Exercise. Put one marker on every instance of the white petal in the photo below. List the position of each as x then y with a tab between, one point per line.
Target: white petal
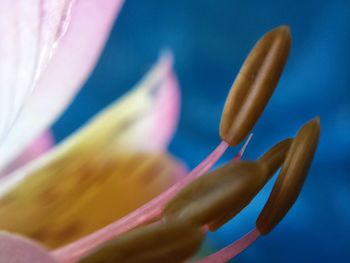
29	30
71	63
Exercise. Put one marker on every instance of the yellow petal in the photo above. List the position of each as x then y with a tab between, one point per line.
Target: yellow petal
102	172
67	200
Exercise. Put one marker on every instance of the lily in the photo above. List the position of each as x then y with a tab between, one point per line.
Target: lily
89	197
56	45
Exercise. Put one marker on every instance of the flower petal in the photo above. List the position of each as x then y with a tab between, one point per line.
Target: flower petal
129	124
149	113
95	176
37	148
68	68
16	249
30	32
69	198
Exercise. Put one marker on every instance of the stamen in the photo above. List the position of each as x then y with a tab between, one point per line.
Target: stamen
271	161
246	101
299	153
275	156
254	85
231	251
219	222
219	195
291	178
147	212
228	188
173	241
239	155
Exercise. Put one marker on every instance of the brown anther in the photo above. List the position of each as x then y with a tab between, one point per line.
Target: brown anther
172	241
291	178
275	156
254	85
229	188
271	160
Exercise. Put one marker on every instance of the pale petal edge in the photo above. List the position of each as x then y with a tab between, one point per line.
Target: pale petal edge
36	149
72	62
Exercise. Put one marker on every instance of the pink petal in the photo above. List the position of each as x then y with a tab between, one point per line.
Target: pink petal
70	65
154	104
143	120
36	149
16	249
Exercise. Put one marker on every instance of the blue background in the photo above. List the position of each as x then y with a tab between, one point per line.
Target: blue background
210	40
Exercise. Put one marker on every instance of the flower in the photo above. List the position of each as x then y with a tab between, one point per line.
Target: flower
59	43
88	197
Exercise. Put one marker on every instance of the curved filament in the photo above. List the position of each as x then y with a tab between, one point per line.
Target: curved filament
231	251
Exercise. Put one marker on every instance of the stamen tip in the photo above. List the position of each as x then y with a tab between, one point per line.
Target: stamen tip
254	85
291	178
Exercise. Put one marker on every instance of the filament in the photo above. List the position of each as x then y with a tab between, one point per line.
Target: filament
239	155
232	250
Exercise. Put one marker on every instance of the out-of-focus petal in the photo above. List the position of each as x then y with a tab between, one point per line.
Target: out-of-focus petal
36	149
117	129
16	249
104	171
30	31
71	63
148	115
145	119
69	198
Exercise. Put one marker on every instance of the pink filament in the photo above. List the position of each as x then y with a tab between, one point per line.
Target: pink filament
243	149
152	209
231	251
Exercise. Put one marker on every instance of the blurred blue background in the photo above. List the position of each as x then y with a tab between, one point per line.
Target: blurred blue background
210	40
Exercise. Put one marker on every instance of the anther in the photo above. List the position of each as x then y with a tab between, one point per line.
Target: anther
173	241
254	85
291	178
275	156
229	188
271	161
